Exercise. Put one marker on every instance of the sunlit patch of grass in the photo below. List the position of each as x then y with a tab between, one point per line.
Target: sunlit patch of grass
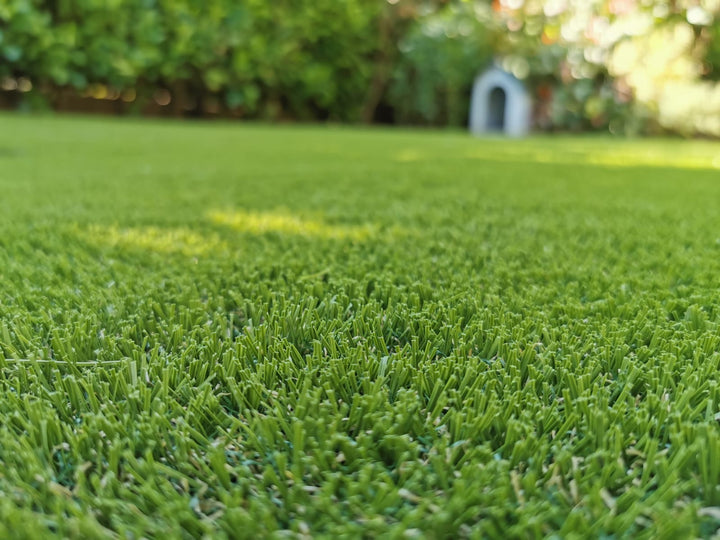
285	222
583	152
158	239
409	155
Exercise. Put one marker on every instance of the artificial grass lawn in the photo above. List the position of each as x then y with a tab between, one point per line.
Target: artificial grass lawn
241	331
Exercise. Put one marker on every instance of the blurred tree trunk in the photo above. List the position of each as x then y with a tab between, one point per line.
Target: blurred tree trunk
391	25
382	68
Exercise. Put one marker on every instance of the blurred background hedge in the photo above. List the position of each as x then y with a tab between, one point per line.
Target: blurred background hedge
628	66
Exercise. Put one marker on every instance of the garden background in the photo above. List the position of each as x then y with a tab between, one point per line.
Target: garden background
627	66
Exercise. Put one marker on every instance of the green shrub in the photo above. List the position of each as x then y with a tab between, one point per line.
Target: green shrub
439	59
304	59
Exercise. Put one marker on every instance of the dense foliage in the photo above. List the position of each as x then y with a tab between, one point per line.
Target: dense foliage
237	331
304	58
629	66
440	55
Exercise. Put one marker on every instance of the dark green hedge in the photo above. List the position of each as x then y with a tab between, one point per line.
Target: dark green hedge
302	59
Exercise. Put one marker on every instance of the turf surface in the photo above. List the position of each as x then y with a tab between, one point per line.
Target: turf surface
246	331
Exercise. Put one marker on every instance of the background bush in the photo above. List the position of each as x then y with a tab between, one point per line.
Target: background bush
301	58
625	65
